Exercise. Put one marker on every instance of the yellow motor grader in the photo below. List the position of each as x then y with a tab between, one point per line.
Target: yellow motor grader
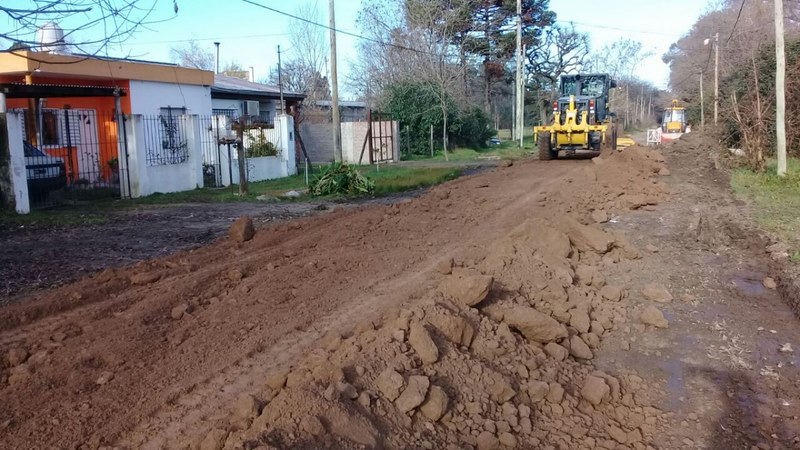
581	117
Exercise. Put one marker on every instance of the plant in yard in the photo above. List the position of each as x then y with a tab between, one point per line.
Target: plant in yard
258	146
340	178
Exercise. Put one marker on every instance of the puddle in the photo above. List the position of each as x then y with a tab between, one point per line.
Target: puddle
748	286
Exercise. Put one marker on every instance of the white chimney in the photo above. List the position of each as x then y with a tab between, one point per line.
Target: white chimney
51	38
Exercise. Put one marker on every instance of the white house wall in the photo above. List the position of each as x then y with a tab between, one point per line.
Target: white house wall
148	97
238	106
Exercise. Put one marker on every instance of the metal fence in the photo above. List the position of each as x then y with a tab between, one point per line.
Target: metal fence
165	139
72	155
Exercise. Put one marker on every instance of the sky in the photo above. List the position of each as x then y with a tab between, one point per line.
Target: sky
250	35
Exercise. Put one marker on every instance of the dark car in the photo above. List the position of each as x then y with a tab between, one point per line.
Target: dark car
45	173
494	141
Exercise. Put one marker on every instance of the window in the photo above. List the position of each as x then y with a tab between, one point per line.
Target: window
166	137
232	113
51	125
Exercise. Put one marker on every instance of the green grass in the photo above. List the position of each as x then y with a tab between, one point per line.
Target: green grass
388	179
506	150
776	200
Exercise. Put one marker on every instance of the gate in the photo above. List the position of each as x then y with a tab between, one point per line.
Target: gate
72	156
381	139
212	129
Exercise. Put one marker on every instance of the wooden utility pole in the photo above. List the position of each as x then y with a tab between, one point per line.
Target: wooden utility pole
780	88
702	104
716	78
244	189
337	125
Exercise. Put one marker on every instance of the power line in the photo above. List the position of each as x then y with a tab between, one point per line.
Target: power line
335	30
249	36
737	21
627	30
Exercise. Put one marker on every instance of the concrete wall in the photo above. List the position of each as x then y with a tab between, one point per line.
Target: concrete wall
318	139
148	97
265	167
149	179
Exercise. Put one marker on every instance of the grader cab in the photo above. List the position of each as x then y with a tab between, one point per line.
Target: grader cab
581	117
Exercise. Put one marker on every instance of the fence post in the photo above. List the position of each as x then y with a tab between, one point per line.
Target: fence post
243	188
395	140
195	146
13	176
287	143
137	156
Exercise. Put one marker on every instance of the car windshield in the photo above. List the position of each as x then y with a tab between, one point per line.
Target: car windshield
30	150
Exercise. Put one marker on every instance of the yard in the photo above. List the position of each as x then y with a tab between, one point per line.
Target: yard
506	150
53	246
775	200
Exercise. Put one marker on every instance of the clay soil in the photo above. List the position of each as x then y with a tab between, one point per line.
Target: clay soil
612	303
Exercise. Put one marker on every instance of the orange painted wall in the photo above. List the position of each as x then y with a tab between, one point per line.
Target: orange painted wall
104	106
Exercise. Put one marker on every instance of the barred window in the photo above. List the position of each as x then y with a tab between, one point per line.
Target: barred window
165	136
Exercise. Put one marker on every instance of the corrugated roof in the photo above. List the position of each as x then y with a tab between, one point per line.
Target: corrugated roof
343	104
231	85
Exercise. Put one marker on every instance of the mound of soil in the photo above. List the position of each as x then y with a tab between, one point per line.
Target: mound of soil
466	318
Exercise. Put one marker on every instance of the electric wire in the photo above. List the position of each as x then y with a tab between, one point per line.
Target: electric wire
738	16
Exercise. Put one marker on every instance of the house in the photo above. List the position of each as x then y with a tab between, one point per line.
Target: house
234	97
70	105
88	126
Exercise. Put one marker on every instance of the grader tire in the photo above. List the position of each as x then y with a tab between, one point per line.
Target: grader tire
546	152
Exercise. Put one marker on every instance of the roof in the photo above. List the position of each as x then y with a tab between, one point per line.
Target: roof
50	65
343	104
237	88
18	90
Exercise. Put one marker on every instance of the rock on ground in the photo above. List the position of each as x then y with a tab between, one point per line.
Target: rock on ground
770	283
242	229
414	393
435	405
653	316
389	383
421	342
595	390
579	349
534	325
467	287
657	293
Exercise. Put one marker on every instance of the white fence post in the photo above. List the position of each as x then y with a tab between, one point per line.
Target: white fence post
137	156
19	176
194	144
287	143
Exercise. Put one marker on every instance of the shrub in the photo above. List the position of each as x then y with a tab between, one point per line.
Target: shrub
339	178
258	146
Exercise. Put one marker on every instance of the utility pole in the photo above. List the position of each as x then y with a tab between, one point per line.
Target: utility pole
280	80
519	96
702	104
216	44
521	126
780	88
337	127
716	78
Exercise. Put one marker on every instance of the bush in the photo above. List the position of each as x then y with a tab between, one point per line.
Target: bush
259	146
343	179
473	128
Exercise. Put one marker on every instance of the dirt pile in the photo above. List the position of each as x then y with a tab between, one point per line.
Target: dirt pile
499	356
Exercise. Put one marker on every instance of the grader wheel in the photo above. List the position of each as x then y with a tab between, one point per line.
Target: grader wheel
546	152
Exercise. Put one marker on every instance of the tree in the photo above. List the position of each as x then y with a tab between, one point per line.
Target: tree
191	54
492	36
304	70
92	25
235	69
562	51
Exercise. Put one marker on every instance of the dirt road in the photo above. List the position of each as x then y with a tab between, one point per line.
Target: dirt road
485	313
